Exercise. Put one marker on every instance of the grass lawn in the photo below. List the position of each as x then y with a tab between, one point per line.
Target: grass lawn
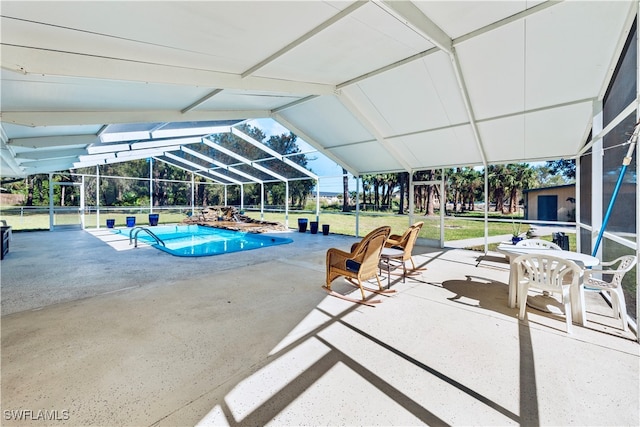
40	221
455	228
340	223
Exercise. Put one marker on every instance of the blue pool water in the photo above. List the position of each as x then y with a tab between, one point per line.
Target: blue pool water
196	240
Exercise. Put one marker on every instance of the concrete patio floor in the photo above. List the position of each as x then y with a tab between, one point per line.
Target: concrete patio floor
96	333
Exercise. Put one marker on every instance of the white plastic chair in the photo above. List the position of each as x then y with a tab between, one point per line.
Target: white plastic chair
547	273
613	286
538	243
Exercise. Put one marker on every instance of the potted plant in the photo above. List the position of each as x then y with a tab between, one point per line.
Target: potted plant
516	237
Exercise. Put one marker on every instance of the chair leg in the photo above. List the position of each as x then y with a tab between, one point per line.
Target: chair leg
617	295
329	279
379	283
416	268
581	305
362	289
566	299
522	291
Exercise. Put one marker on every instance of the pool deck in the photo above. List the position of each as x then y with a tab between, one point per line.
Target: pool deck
97	333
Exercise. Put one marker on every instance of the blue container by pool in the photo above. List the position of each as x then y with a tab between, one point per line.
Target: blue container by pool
111	223
153	219
302	224
131	221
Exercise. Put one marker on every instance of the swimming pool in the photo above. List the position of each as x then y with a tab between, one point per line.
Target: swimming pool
196	240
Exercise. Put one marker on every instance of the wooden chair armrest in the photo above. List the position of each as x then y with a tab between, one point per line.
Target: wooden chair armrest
393	242
335	255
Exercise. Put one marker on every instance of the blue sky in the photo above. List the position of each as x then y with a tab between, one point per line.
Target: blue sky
329	172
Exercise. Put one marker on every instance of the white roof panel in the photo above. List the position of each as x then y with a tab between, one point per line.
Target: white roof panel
327	119
436	146
413	97
377	86
368	157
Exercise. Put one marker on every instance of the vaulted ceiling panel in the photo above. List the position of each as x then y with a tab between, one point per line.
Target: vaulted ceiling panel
368	157
241	100
327	121
17	131
439	146
375	85
45	93
568	68
420	95
493	66
557	133
458	18
366	39
503	139
181	33
541	135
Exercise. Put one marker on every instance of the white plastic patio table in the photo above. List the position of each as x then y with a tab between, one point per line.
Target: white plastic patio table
512	252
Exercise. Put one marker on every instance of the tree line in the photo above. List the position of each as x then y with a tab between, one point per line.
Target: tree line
463	187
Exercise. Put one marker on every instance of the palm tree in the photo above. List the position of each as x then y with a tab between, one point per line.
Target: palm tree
455	186
345	191
496	178
473	182
524	178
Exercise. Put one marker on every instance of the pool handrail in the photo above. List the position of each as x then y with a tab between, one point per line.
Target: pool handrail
134	236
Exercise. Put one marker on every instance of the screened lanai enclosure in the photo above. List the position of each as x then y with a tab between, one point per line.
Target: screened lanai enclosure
376	86
211	155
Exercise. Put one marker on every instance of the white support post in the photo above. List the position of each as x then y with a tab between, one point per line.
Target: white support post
358	205
597	154
226	200
82	218
443	204
97	196
638	217
637	186
317	199
193	194
51	213
241	197
486	208
578	218
262	201
286	203
150	184
411	198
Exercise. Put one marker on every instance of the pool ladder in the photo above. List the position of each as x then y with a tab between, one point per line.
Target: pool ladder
133	236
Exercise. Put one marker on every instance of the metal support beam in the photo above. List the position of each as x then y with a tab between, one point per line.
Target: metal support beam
272	152
369	125
311	141
326	24
242	159
410	15
198	167
221	165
